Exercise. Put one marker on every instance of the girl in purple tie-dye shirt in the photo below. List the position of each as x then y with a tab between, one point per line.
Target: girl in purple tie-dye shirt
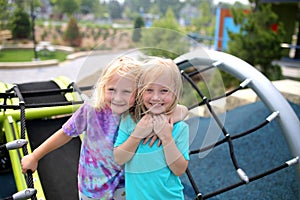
97	119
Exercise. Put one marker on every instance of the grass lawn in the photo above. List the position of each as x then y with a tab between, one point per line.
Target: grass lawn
23	55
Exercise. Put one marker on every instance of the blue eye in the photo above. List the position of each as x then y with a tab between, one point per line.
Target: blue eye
164	90
127	91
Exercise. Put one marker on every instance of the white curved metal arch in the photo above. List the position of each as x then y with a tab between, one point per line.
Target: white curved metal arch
262	86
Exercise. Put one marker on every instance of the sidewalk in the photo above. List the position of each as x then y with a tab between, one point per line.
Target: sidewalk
290	67
290	89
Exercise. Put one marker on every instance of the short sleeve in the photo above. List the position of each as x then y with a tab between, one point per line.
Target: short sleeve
77	123
182	139
126	127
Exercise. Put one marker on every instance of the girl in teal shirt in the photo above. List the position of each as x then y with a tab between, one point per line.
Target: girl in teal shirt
153	172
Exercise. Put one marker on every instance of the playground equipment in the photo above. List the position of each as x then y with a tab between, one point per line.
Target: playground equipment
33	111
199	61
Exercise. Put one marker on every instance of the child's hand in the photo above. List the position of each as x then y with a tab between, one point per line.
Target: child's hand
153	138
163	127
29	163
144	127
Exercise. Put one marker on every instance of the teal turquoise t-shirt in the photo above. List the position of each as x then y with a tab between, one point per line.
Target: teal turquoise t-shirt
147	175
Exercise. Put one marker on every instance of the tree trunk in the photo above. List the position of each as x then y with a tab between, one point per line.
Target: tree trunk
297	54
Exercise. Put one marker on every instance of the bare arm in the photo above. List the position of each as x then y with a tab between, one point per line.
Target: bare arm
163	128
180	113
57	140
175	160
126	150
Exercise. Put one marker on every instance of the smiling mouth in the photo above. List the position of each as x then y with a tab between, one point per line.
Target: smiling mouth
156	104
118	105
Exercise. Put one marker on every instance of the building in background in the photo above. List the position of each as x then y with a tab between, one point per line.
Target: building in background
224	22
288	12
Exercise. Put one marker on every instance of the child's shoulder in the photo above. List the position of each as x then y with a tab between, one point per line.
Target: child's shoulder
88	107
127	124
181	124
127	118
180	130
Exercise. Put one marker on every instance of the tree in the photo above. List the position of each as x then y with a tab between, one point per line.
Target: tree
259	38
205	22
20	24
87	6
115	9
138	6
72	34
100	9
4	14
138	24
297	53
154	10
165	38
145	6
68	6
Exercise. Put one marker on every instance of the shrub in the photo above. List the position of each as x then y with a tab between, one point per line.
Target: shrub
72	34
20	25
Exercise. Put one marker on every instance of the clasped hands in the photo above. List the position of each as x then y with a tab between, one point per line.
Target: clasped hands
153	127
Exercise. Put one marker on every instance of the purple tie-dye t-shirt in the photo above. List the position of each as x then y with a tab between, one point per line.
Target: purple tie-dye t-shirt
98	174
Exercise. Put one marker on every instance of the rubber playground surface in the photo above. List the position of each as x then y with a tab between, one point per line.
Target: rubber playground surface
255	153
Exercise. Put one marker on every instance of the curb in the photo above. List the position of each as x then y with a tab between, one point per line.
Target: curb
17	65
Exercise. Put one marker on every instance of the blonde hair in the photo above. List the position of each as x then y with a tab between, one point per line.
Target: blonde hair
151	70
123	66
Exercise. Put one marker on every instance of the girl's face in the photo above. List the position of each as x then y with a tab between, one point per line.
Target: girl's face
158	97
120	93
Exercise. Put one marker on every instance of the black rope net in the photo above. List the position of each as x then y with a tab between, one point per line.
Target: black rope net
225	143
